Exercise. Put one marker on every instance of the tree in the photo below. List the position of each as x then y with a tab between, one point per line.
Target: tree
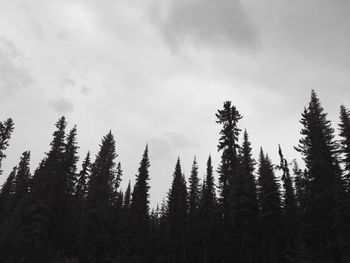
46	202
230	183
289	211
22	179
247	205
71	160
99	199
228	117
6	129
270	211
209	217
81	188
343	211
6	195
193	216
139	210
177	216
345	143
319	151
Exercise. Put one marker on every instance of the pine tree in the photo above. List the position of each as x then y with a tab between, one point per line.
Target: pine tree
228	117
7	194
248	205
289	210
99	199
79	219
22	179
345	143
81	188
139	210
193	190
193	216
209	218
319	149
6	129
343	211
230	180
46	202
71	160
127	197
177	216
270	220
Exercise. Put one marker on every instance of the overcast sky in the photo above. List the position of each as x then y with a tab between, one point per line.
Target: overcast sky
156	72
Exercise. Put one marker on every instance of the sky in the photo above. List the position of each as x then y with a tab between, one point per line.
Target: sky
156	72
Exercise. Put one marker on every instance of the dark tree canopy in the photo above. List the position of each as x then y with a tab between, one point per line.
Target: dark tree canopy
264	213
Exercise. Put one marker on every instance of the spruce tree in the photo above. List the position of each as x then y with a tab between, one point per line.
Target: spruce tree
6	195
6	129
46	202
319	151
289	210
193	216
230	180
345	143
81	188
247	205
70	161
139	211
22	179
228	117
270	217
177	217
99	200
209	218
343	212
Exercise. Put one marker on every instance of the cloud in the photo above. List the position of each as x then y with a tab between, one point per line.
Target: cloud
62	105
206	22
14	73
85	89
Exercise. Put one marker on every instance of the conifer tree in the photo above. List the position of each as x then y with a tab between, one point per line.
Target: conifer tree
116	183
99	200
45	209
270	220
289	210
193	216
139	210
193	196
208	217
247	205
81	188
228	117
319	149
6	195
71	160
22	179
177	216
345	143
343	212
6	129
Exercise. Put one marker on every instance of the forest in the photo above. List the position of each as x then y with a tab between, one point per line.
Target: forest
241	212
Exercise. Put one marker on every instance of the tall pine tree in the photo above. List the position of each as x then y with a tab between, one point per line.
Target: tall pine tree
177	217
319	149
270	218
139	211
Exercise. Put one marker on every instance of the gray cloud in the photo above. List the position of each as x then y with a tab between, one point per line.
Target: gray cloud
221	22
61	105
85	89
14	74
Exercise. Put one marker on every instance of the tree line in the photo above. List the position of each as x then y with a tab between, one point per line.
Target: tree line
64	213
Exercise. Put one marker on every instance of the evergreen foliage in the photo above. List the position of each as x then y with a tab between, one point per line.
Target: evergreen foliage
62	215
